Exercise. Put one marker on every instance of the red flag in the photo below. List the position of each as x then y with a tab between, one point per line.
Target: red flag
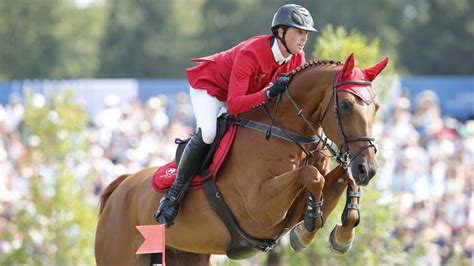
154	240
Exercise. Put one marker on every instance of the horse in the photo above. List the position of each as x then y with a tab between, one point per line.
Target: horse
269	181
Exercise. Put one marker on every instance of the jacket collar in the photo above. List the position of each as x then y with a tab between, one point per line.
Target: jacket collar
277	53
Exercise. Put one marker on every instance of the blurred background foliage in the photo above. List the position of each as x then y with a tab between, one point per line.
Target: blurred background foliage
373	238
59	228
156	38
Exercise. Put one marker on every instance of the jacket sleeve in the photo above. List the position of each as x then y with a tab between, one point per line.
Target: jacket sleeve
238	101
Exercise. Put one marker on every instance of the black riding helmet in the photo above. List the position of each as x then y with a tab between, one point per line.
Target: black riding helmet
292	15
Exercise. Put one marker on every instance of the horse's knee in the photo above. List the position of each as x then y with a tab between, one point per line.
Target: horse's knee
311	177
309	171
322	163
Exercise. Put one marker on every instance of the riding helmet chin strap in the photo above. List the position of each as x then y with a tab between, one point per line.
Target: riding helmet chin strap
282	39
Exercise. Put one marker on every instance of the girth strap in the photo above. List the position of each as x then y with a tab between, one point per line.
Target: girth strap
242	245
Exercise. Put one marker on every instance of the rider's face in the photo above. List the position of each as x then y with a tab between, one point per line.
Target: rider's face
295	40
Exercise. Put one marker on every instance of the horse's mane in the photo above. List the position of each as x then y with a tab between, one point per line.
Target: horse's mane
311	64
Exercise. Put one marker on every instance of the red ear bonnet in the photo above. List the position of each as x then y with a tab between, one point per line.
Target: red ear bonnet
350	73
374	71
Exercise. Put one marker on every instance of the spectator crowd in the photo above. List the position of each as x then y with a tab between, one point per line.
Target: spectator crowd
426	162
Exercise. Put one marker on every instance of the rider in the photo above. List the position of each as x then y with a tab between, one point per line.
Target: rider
239	79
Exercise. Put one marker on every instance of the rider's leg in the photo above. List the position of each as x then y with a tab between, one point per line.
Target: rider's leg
190	162
206	108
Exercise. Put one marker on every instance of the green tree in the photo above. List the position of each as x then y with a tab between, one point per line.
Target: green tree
49	39
79	32
149	38
437	37
337	44
156	38
28	43
55	223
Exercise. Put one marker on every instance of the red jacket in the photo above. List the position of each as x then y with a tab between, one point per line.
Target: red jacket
238	75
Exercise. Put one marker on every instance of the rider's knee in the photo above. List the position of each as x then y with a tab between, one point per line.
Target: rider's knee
208	135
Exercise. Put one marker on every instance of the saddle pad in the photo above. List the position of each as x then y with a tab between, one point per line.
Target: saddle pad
166	174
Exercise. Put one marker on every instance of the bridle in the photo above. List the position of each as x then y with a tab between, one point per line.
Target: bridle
343	157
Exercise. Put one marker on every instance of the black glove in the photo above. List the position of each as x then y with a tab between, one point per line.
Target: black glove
280	85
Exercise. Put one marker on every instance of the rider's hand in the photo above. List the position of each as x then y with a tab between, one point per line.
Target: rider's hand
280	85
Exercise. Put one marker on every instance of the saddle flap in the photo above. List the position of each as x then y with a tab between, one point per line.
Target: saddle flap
223	125
166	174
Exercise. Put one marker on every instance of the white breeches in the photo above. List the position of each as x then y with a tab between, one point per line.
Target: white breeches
206	110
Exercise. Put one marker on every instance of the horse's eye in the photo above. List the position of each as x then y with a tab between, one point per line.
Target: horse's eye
345	106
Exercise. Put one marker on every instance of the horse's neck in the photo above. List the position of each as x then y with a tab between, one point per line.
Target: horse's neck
310	90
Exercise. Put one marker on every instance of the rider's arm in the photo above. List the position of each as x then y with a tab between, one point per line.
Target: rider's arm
238	99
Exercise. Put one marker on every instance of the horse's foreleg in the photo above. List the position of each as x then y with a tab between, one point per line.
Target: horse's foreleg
270	202
342	236
300	236
334	186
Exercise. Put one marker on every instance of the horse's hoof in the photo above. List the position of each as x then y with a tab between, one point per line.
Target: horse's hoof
295	243
335	247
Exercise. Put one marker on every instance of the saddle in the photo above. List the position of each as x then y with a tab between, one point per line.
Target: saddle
166	174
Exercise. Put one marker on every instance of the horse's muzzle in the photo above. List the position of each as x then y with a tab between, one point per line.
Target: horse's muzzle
363	170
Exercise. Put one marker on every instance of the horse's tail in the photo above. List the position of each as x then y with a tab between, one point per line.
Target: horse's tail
104	197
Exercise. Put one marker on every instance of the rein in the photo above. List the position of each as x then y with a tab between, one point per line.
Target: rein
280	132
343	157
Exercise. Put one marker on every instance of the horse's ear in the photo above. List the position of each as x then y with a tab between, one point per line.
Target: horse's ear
348	68
374	71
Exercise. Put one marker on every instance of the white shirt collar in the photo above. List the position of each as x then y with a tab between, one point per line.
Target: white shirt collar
277	53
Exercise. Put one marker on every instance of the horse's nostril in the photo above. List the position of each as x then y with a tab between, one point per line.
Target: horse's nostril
362	170
372	172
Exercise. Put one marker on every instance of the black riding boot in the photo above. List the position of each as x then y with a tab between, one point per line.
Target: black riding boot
191	160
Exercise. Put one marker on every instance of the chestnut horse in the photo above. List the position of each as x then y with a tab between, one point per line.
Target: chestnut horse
265	182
